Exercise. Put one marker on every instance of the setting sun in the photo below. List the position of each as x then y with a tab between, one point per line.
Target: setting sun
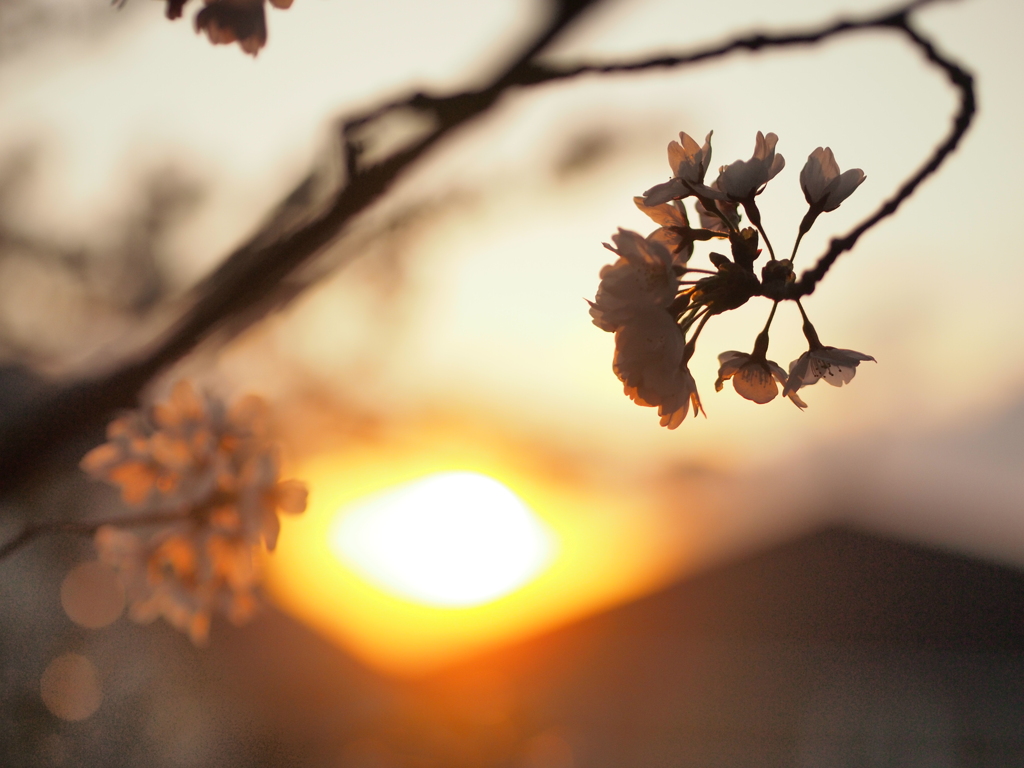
452	539
441	541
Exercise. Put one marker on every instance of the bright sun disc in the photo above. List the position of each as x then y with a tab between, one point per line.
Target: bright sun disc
454	539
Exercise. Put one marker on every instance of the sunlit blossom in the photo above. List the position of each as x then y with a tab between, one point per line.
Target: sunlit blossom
729	209
213	472
753	377
836	366
689	163
675	231
823	185
650	360
743	179
657	303
182	574
230	21
641	279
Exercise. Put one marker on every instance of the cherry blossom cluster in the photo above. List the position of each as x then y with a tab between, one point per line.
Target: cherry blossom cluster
656	304
230	21
210	474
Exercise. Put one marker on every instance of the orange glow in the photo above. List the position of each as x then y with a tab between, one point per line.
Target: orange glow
603	549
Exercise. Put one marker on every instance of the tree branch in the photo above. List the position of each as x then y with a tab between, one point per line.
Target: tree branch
250	276
964	82
32	432
898	19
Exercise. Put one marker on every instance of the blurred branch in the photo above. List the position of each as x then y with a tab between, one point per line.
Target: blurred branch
127	275
121	280
253	274
85	527
25	24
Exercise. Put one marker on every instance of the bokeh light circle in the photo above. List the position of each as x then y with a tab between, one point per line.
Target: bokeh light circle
92	595
70	687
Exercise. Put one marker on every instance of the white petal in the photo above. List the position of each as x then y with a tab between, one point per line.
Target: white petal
812	177
837	375
857	355
829	166
777	372
732	354
756	384
705	155
800	374
845	185
739	180
731	362
662	193
796	400
676	155
841	356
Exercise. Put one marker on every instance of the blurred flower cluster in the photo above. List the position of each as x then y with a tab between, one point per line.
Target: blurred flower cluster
208	476
656	304
231	21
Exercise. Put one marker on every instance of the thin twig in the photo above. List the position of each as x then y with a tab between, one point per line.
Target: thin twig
546	73
249	277
899	20
964	82
86	527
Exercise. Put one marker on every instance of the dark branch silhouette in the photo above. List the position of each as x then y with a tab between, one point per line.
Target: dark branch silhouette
897	20
252	276
963	81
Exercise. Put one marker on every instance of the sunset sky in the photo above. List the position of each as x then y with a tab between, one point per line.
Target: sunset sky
473	321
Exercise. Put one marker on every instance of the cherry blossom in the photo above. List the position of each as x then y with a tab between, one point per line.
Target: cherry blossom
743	179
836	366
753	377
214	472
657	302
823	185
650	360
641	279
689	163
231	21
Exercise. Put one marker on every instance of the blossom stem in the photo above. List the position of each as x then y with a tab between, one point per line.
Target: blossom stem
803	314
688	322
771	251
691	345
805	226
755	218
712	207
799	237
809	333
85	527
771	316
761	342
